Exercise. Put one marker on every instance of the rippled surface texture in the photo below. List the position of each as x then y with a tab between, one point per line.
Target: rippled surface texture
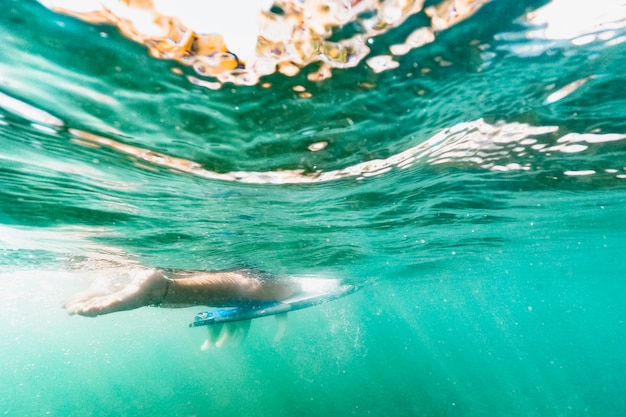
476	181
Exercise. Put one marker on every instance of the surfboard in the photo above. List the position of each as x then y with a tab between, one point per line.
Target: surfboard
315	291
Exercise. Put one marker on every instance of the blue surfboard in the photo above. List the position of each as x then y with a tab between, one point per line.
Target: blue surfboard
310	298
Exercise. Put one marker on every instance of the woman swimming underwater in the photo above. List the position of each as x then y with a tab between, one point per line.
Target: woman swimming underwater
181	288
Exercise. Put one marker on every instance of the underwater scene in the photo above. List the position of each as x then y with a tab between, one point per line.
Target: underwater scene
459	165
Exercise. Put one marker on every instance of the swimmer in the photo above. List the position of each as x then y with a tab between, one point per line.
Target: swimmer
177	288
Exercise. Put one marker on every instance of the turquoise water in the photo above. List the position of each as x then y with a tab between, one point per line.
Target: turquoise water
493	232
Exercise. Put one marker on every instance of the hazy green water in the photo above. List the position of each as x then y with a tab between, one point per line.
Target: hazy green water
495	292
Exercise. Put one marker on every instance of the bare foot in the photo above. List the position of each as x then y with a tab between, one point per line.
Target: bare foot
149	287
